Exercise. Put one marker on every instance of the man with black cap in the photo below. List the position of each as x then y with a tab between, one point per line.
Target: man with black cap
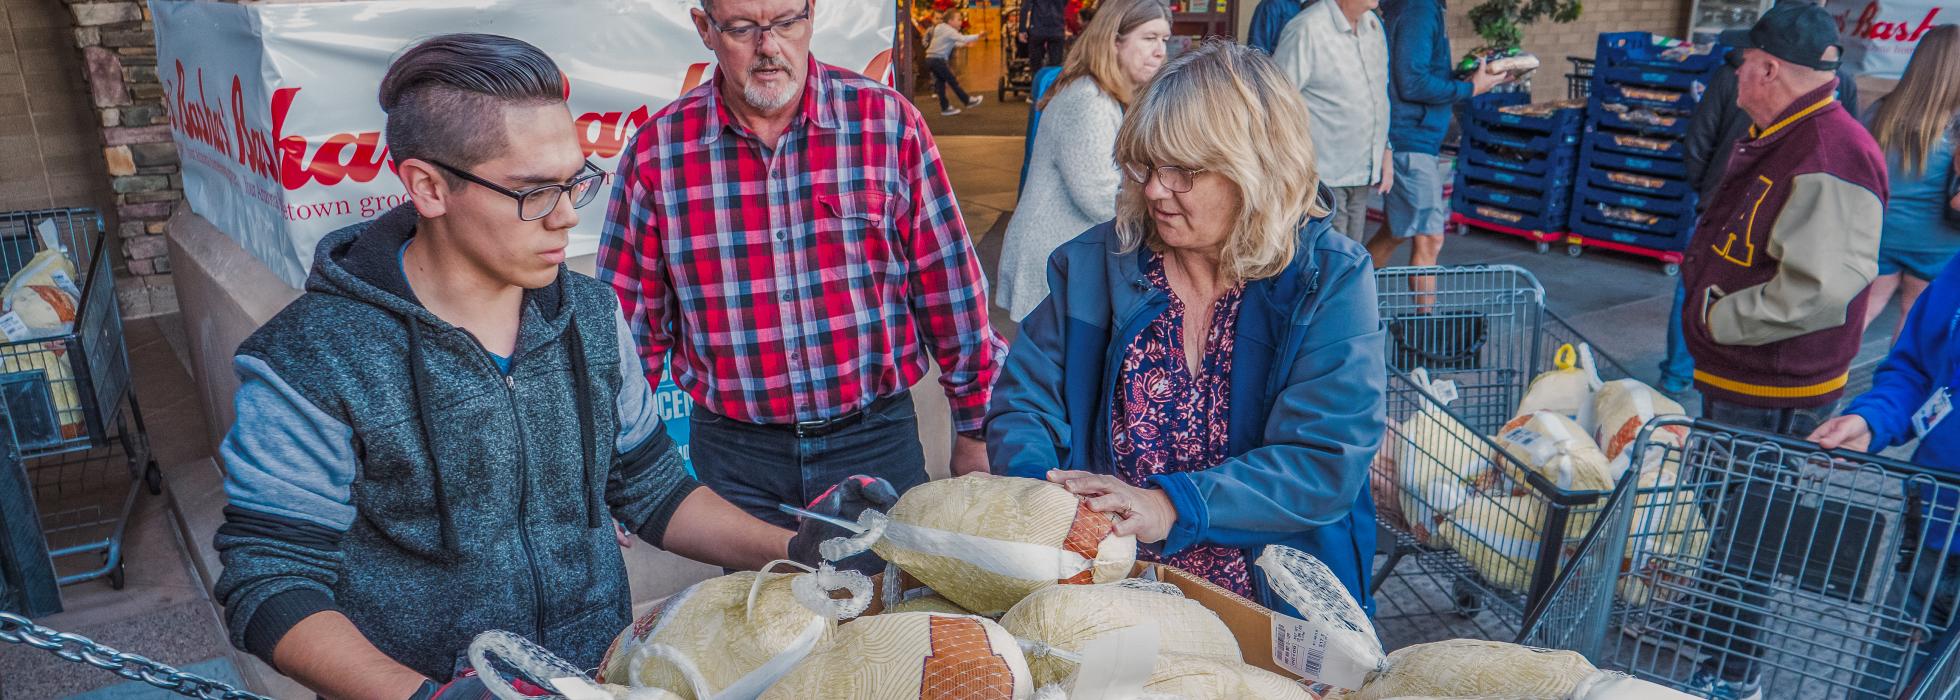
1777	271
1718	123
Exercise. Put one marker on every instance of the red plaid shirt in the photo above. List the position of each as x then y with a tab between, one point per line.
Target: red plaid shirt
806	281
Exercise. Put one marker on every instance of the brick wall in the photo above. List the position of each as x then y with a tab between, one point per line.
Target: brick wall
118	49
1553	42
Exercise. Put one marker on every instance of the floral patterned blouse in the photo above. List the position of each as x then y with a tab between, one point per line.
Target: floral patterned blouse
1167	420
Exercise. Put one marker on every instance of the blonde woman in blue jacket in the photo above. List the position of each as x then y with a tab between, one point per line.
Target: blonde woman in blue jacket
1209	371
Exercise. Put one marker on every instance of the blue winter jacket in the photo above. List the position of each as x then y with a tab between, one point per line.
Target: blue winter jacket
1926	358
1421	93
1269	19
1306	396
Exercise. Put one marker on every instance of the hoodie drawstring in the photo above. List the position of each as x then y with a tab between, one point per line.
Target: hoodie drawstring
418	378
581	397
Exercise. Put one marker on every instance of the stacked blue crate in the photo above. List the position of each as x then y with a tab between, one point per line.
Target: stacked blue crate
1516	171
1633	189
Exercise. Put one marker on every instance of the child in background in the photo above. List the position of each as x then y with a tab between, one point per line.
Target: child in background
945	38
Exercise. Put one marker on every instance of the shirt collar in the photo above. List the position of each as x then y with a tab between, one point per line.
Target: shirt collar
1805	106
1341	23
819	105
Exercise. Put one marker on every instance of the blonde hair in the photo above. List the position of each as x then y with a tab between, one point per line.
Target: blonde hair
1911	119
1226	109
1094	54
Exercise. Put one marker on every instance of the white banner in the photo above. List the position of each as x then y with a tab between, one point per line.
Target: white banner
274	109
1879	37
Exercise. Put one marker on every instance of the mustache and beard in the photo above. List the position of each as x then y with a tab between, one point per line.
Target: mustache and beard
763	97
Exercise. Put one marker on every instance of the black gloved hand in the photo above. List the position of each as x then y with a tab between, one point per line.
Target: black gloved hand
844	501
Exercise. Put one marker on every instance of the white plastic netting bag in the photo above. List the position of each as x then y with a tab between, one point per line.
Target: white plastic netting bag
1055	623
1622	407
732	636
496	647
912	655
1556	448
1434	456
1567	389
985	542
1477	669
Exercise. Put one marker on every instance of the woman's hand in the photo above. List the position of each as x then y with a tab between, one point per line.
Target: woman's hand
1144	513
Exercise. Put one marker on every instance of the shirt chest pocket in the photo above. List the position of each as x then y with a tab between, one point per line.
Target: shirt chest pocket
857	226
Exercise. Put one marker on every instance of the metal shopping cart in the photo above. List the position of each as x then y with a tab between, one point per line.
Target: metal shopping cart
63	396
1800	568
1474	572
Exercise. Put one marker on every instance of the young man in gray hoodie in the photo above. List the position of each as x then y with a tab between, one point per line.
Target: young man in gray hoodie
436	438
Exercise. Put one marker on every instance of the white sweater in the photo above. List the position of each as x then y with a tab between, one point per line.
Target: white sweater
1071	187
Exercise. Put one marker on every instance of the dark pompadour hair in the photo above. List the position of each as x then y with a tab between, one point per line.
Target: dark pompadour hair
444	96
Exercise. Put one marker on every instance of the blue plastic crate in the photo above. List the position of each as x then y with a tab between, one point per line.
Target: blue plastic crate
1526	220
1643	50
1681	101
1479	134
1585	211
1553	178
1658	167
1599	117
1604	139
1547	165
1693	83
1675	241
1551	203
1587	194
1668	189
1560	122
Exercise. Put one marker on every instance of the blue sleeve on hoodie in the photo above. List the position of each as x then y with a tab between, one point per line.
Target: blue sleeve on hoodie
289	472
1917	366
1319	438
1411	50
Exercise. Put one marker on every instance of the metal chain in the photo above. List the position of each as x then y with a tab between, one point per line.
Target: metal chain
15	629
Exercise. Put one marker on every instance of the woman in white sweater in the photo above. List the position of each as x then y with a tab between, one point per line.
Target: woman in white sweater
1072	180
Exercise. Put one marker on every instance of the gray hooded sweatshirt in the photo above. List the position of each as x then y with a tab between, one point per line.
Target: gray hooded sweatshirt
384	465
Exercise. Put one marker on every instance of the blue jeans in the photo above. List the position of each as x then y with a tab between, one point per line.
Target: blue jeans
1678	368
1929	598
942	78
756	467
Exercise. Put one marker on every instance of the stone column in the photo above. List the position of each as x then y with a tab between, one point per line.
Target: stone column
118	45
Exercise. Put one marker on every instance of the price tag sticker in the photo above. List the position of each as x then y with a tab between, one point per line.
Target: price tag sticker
13	327
65	283
1934	411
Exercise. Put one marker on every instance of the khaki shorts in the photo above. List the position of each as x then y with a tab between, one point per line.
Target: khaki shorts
1415	206
1351	211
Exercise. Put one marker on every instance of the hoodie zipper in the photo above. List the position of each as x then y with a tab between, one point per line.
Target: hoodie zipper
523	502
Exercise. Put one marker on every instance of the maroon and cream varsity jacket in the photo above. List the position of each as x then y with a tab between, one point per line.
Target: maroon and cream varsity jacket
1781	257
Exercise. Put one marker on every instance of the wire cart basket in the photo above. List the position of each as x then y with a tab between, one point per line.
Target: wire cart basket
1822	574
63	393
1467	545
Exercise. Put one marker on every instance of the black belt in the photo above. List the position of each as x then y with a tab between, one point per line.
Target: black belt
820	428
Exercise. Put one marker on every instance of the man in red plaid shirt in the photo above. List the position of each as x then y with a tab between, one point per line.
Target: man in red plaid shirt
787	231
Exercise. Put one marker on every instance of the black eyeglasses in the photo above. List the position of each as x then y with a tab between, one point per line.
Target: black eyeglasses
535	203
1175	178
785	29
